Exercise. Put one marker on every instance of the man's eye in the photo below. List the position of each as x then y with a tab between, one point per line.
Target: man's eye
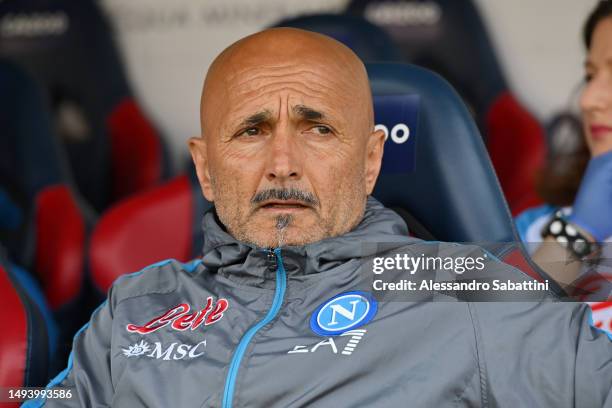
321	129
251	132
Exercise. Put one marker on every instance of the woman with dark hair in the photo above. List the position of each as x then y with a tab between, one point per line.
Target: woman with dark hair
578	188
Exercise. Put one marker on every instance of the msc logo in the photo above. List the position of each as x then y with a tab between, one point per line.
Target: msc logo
399	132
343	312
175	351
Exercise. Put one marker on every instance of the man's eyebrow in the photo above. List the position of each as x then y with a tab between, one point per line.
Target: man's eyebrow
256	118
308	113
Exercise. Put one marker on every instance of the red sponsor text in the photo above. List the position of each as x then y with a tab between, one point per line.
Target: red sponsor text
180	318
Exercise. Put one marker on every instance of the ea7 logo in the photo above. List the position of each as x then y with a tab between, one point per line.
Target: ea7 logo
175	351
180	319
332	345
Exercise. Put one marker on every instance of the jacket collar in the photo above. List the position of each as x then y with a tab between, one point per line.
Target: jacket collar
238	260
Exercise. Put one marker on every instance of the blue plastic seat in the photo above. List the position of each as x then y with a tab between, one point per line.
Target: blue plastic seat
436	171
25	344
448	37
367	40
446	179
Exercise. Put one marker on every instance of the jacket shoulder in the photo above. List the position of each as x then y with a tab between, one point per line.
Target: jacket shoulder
159	278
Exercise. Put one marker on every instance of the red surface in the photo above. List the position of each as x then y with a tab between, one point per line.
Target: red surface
136	150
516	259
13	341
591	286
600	306
144	229
60	244
516	144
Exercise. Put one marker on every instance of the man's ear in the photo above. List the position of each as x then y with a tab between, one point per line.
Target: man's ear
199	155
374	154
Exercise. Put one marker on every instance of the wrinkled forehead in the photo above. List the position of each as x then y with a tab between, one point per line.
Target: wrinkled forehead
278	86
256	78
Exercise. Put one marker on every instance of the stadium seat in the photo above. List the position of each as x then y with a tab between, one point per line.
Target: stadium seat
367	40
30	157
449	37
148	227
113	149
24	343
436	167
37	183
44	221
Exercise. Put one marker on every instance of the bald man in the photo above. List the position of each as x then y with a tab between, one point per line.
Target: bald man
287	138
279	311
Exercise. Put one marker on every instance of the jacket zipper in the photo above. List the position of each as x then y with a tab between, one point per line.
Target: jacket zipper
279	293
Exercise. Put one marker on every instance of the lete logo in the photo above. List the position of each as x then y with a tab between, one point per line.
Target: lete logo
180	319
343	312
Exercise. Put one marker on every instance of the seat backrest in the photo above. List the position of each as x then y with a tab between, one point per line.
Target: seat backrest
67	45
436	167
450	38
30	156
441	172
34	173
367	40
159	224
446	36
24	343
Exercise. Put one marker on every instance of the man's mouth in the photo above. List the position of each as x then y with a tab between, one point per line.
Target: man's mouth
283	206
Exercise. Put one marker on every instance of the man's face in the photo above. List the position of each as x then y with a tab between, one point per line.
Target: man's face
287	155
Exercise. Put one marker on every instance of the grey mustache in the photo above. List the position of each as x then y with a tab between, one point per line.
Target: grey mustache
285	194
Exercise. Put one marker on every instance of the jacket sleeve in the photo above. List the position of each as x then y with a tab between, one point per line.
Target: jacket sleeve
88	374
543	354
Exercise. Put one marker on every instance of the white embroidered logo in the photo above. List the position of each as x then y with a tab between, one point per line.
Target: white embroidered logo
158	351
137	349
349	348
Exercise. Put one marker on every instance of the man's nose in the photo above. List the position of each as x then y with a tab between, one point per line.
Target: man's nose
284	158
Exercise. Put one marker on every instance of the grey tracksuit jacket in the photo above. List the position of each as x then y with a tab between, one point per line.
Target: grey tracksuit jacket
245	327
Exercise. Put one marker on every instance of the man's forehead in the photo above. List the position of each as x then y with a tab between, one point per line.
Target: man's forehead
255	74
302	77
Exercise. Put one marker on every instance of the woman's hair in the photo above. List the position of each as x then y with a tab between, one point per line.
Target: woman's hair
559	180
601	11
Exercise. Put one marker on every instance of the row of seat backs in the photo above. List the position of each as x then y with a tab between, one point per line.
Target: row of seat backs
90	80
56	56
112	149
59	220
448	185
50	235
44	222
448	37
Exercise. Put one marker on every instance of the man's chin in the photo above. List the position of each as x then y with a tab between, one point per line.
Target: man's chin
291	235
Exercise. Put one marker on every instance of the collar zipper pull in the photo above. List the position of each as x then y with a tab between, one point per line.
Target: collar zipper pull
272	259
